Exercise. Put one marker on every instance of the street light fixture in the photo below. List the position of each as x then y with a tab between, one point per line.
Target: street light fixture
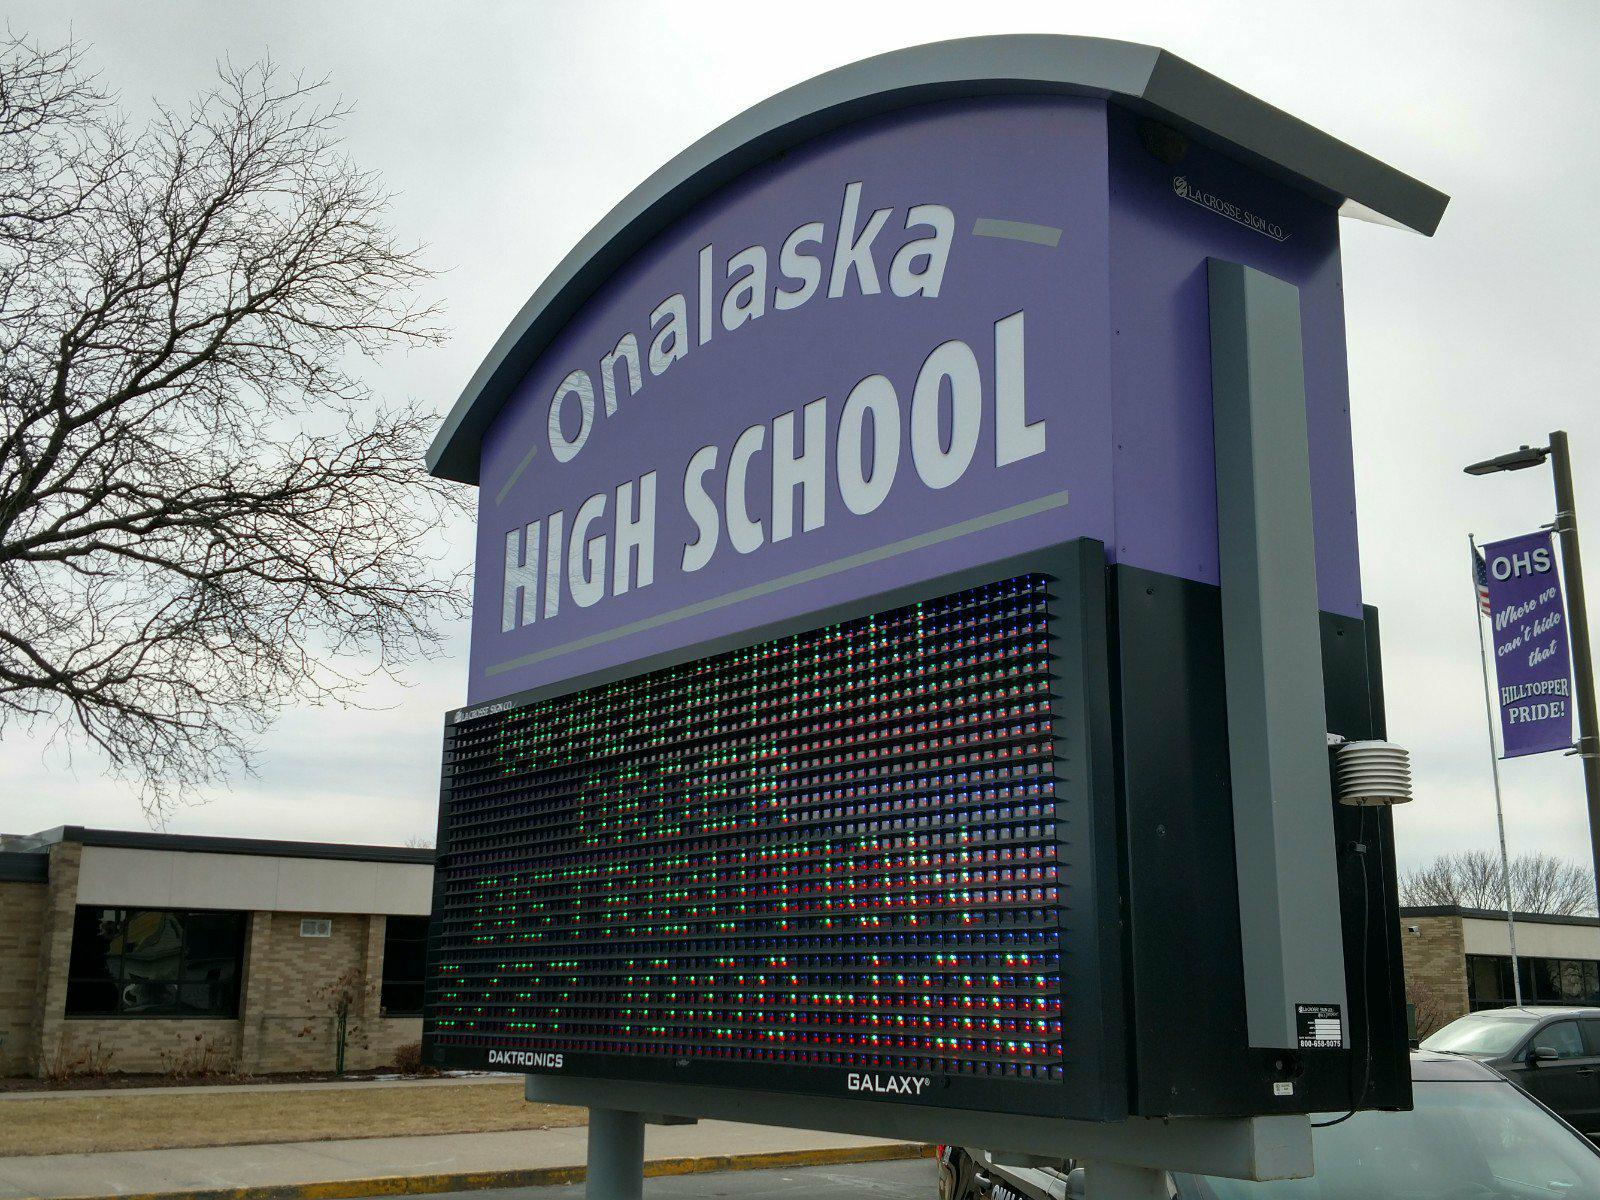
1577	612
1517	460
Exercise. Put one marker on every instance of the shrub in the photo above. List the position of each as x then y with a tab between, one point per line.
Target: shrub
204	1058
86	1062
408	1058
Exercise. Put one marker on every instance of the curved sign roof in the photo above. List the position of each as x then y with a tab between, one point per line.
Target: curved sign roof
1145	79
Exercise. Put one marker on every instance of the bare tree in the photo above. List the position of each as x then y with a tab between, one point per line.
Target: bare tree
1540	883
205	515
347	1000
1430	1009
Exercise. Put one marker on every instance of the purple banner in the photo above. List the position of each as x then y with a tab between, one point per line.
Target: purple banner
1532	665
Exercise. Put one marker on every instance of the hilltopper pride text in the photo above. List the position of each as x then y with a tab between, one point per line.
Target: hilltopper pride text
1530	645
912	432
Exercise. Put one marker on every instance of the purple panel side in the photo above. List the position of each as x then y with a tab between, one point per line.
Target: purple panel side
1011	171
1167	218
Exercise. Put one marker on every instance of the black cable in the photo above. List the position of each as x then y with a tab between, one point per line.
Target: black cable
1366	1002
1366	919
1335	1121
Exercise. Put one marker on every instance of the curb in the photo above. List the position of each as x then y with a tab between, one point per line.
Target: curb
469	1181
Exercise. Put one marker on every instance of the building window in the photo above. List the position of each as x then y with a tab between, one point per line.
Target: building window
1544	981
147	962
405	953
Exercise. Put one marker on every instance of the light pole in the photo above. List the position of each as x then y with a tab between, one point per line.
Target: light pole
1494	774
1577	613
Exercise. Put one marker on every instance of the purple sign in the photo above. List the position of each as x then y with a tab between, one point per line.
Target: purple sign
920	344
1532	665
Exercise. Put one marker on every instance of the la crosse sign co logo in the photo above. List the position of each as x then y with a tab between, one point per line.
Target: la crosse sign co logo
1225	208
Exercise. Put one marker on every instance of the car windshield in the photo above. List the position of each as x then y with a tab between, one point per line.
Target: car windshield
1463	1141
1488	1034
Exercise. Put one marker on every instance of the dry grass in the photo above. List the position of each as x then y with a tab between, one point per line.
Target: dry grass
155	1121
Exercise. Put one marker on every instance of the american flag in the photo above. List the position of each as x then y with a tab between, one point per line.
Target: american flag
1480	572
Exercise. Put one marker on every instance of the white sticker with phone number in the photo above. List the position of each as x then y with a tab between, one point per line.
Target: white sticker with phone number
1319	1026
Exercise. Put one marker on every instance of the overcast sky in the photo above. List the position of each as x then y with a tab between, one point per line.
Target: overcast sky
507	130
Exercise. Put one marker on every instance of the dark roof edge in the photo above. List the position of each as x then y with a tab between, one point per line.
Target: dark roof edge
1140	77
24	866
128	839
1216	112
1492	914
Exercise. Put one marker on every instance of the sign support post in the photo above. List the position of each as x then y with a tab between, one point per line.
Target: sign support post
1116	1181
1582	664
1494	769
616	1155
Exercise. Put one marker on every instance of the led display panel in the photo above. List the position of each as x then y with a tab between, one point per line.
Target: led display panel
827	858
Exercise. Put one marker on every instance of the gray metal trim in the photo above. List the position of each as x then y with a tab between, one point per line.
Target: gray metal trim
1143	78
768	587
128	839
1289	915
1276	1147
1046	559
1089	852
1217	113
23	866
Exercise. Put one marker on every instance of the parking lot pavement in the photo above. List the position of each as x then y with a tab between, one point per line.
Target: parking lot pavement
915	1179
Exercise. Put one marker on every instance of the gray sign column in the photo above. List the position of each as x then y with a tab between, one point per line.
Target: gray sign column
1277	718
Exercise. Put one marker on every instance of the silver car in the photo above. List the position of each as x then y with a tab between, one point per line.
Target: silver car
1552	1053
1471	1136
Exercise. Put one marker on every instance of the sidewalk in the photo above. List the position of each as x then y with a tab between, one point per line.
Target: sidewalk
256	1085
416	1165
